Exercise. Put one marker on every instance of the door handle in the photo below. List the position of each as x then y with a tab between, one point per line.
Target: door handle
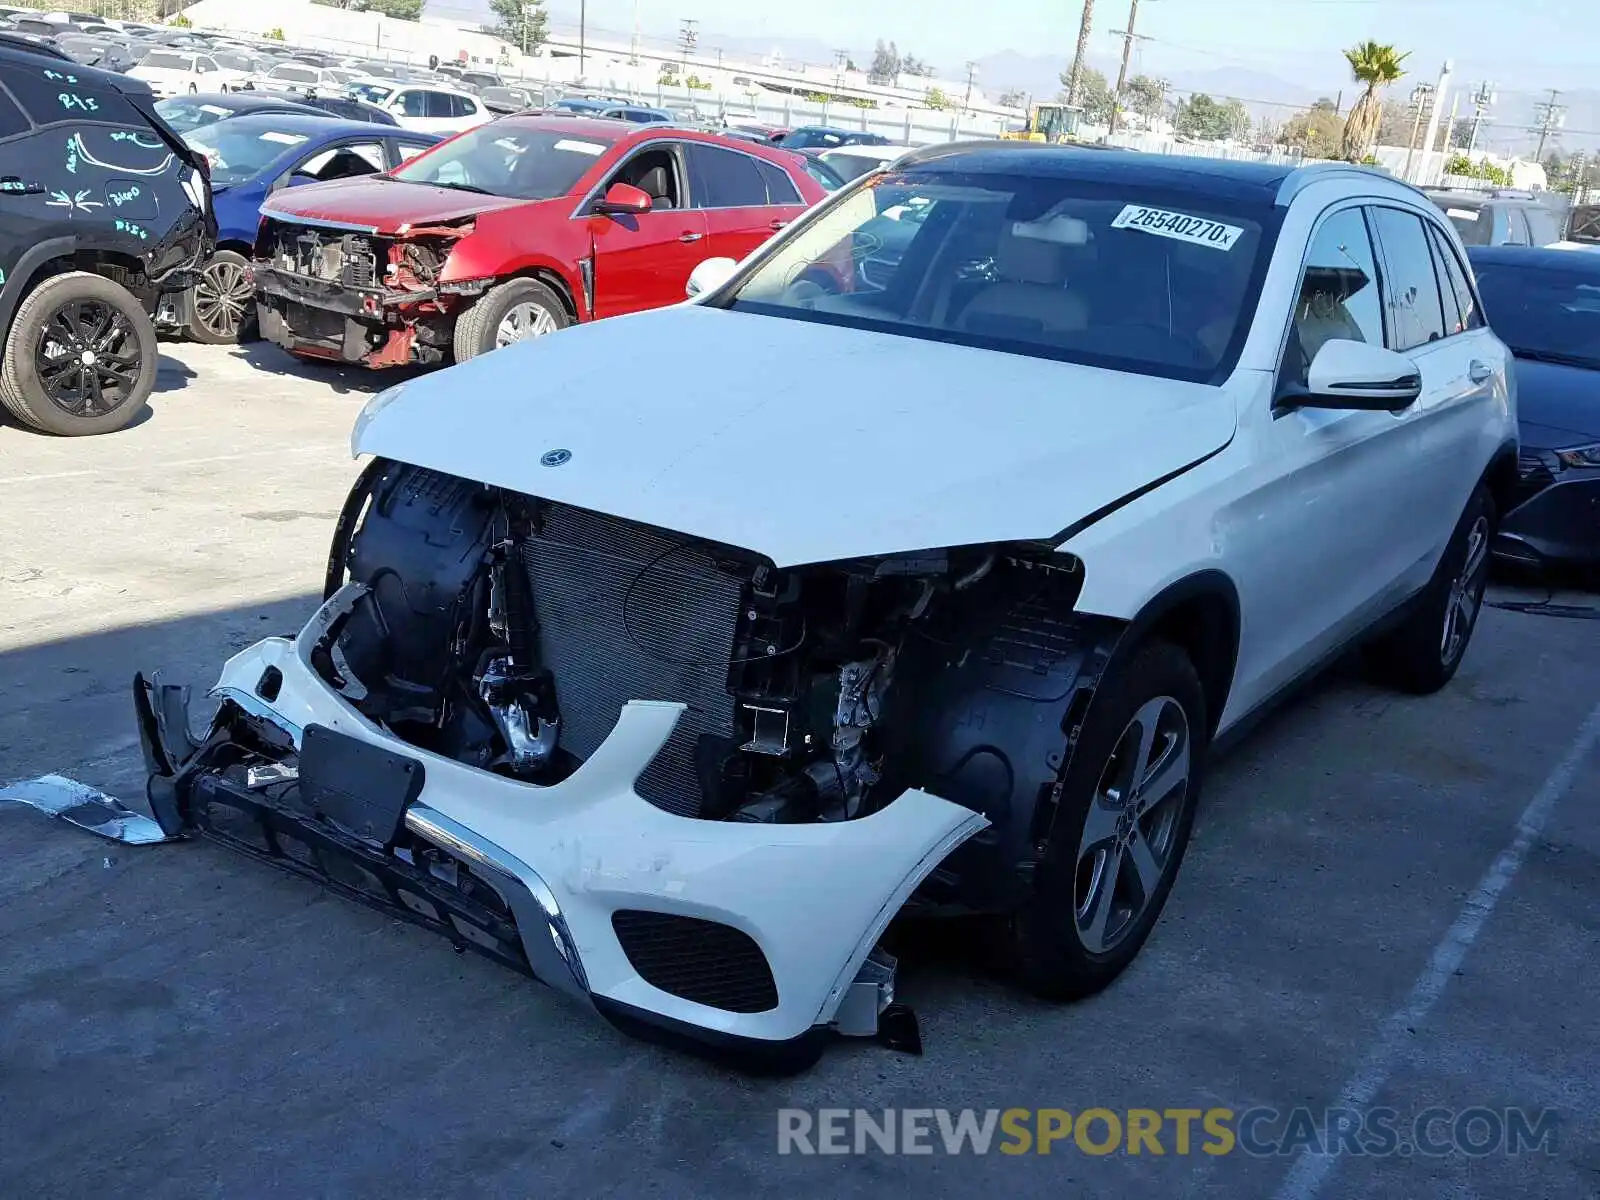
691	236
1479	371
779	224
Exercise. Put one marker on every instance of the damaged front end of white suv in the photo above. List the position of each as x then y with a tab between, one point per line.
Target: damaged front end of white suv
654	772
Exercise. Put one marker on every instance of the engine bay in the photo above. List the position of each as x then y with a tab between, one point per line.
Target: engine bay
507	632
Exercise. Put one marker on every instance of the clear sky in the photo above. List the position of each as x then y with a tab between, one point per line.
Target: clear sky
1521	44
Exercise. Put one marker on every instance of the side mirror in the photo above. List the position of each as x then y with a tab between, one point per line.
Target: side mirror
1357	375
709	275
624	198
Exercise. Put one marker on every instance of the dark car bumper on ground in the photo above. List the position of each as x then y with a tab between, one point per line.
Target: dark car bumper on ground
1557	522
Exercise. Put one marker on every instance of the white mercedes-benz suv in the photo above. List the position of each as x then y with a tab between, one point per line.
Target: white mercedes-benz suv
917	564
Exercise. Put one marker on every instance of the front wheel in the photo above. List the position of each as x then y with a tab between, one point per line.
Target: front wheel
80	358
224	302
1125	812
515	311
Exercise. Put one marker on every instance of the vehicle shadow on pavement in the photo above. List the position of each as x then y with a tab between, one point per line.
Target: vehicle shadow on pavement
343	379
172	375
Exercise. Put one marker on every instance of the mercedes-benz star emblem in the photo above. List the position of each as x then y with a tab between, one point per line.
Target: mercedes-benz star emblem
555	458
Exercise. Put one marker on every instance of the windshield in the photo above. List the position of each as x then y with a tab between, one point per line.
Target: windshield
167	61
1542	313
1127	278
530	164
184	114
372	93
293	74
239	154
819	139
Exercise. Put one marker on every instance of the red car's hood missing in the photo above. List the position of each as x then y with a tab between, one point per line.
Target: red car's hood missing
383	205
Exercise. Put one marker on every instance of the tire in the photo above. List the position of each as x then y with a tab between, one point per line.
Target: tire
223	303
477	330
1053	947
1422	654
126	357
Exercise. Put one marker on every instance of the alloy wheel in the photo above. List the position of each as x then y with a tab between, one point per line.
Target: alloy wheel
1131	831
1466	592
222	297
521	322
87	358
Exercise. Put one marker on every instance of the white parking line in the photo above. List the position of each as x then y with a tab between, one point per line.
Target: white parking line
1311	1171
145	464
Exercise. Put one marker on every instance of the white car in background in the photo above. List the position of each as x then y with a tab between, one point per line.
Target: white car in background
426	108
177	72
301	78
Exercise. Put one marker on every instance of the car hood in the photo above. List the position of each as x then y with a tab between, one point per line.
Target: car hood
801	441
1557	405
383	205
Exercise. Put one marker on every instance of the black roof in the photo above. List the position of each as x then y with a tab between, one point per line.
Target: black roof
14	49
1575	262
1250	181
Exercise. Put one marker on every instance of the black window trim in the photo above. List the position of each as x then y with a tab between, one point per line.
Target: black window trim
732	207
1377	237
1361	204
671	145
677	142
1446	246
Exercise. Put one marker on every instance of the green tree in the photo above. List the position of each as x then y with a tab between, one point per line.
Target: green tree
1210	120
1316	133
1013	98
402	10
1072	77
915	67
936	98
885	66
1144	96
523	23
1376	66
1094	94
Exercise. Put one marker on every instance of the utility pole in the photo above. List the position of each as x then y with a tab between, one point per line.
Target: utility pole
633	49
1450	126
687	37
972	69
1128	38
1482	100
583	30
1551	117
1419	101
1075	80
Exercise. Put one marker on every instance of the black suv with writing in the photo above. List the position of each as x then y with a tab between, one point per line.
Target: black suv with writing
105	214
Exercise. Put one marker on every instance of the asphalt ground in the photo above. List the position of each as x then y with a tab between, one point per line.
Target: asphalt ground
1390	903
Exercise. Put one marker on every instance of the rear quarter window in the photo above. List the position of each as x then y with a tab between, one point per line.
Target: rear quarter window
52	96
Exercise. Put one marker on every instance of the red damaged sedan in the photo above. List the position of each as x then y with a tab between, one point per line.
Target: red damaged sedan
512	230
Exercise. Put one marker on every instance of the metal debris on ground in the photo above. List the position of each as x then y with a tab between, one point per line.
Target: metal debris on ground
86	808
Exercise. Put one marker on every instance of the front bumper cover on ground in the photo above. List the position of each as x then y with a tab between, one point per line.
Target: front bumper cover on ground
568	858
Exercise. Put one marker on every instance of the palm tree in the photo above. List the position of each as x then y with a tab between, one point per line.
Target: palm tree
1376	66
1075	79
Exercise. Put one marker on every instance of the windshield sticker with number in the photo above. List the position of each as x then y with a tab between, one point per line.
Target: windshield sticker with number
580	147
1198	231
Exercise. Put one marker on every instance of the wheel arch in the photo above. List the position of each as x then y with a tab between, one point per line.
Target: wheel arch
552	279
59	255
1200	615
1501	477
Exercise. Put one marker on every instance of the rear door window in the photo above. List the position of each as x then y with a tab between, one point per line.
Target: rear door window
780	188
721	178
1410	285
1466	299
414	103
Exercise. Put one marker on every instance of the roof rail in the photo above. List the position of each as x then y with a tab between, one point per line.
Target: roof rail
1303	177
922	154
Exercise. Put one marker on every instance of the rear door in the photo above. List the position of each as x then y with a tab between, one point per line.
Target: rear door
1461	365
729	187
643	261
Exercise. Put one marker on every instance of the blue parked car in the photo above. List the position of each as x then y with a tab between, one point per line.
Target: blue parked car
253	156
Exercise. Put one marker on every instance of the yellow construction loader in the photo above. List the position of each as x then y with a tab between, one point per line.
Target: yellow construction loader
1047	123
